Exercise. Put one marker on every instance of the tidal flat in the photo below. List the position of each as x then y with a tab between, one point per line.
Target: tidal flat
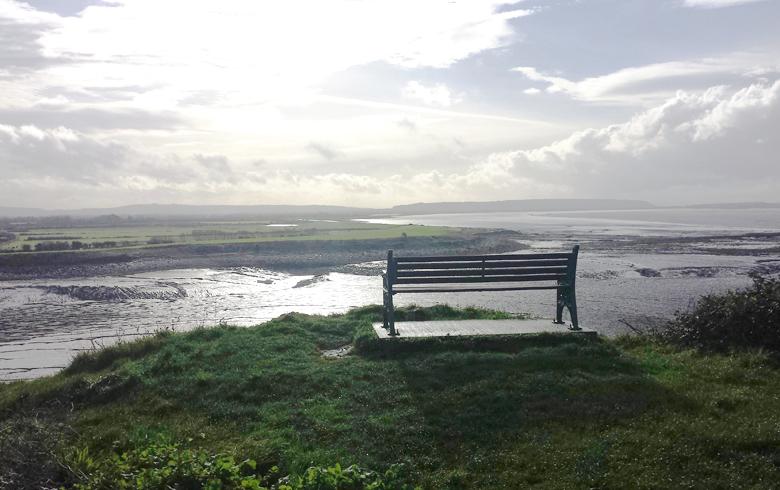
633	274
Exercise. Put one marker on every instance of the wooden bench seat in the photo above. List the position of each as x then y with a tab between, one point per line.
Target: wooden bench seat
478	273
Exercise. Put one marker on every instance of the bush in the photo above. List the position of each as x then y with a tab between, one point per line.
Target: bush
350	478
167	465
748	318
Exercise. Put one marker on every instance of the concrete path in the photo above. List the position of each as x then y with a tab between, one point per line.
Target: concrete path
446	328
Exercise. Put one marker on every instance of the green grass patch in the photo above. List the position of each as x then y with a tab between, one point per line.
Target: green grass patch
213	233
503	412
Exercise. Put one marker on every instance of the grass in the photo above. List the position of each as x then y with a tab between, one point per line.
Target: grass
500	412
211	233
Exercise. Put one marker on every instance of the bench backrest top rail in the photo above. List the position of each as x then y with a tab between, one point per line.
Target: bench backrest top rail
486	258
488	264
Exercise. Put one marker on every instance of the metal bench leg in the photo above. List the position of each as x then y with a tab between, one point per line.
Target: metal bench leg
385	322
388	312
572	305
559	304
391	314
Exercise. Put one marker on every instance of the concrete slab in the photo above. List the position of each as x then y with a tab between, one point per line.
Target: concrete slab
451	328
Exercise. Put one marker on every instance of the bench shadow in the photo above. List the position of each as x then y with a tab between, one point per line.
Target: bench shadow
493	387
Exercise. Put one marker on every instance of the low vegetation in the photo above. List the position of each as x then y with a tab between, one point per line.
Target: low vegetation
262	407
130	235
747	318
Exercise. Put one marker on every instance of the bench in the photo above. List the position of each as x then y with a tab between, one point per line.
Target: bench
473	273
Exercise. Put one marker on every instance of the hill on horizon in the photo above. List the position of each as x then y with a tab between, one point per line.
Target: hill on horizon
314	210
520	205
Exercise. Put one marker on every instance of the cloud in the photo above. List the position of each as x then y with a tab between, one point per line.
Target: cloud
58	152
323	150
716	3
215	166
695	146
21	28
433	95
655	81
268	47
716	145
407	124
57	112
62	167
532	91
30	153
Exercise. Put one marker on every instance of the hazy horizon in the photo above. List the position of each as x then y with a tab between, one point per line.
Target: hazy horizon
409	209
108	103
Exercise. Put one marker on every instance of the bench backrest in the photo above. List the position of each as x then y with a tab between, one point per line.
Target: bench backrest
560	267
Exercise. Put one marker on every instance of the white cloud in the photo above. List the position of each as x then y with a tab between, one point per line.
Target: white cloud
432	95
715	145
225	77
655	81
136	101
712	146
716	3
258	50
55	167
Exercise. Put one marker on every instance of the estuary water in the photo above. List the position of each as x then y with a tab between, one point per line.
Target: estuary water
44	323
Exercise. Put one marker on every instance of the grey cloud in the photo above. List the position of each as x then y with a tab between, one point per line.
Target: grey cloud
32	153
68	8
201	97
28	151
19	48
216	164
406	123
98	94
51	116
325	151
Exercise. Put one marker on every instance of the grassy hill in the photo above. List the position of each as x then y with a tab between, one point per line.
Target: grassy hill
503	412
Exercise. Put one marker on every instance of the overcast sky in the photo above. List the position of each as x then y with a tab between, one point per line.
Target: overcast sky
375	103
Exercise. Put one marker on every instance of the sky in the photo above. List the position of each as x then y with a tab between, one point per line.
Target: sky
376	103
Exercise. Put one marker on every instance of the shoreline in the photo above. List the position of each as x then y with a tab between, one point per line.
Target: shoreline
293	256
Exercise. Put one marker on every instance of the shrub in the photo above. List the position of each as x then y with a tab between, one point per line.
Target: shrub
160	465
167	465
350	478
748	318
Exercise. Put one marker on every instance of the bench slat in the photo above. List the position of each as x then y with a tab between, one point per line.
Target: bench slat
442	280
469	273
465	258
479	272
408	289
489	264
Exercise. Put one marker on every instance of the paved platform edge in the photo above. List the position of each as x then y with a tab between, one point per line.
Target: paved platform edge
382	333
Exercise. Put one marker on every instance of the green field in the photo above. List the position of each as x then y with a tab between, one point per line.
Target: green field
502	412
214	232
